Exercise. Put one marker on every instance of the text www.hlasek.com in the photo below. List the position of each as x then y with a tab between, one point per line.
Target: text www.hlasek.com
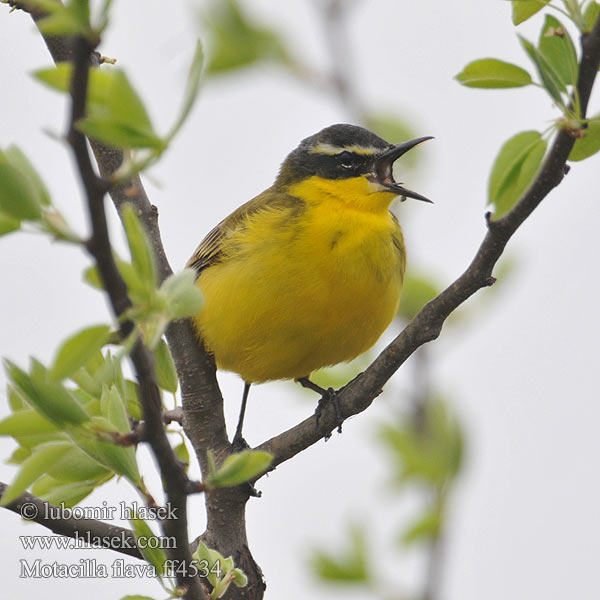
87	540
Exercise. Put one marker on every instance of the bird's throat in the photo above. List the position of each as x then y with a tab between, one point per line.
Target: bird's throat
357	193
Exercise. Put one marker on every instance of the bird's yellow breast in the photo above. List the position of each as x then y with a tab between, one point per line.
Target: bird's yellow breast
299	290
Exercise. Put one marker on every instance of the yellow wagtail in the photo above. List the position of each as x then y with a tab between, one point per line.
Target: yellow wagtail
307	274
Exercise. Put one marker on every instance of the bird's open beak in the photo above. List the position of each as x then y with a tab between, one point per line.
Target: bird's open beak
384	164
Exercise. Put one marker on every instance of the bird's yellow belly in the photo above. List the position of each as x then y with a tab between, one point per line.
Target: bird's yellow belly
291	305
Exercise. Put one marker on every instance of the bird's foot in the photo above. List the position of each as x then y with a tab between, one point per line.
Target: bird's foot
330	395
239	444
327	395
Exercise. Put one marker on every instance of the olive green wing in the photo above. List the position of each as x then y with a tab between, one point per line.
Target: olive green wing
210	250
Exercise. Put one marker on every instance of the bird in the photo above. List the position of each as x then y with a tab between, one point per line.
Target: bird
307	274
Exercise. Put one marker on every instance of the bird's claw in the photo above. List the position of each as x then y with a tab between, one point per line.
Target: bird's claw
239	444
330	395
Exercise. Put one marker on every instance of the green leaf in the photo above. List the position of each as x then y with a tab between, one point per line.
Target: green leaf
142	256
19	161
124	104
227	564
557	47
183	297
493	73
78	349
110	373
8	224
589	144
58	77
140	291
155	556
201	552
236	42
120	118
191	89
240	467
96	361
590	16
19	198
59	24
67	494
56	225
49	6
36	465
49	398
15	399
425	528
213	559
119	459
71	19
80	9
44	485
132	399
18	456
77	466
181	452
514	169
26	422
119	135
222	585
37	439
550	79
103	15
166	373
429	452
524	9
239	578
113	408
116	114
92	277
350	565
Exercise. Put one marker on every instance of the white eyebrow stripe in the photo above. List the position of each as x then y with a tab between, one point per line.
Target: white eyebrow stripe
332	150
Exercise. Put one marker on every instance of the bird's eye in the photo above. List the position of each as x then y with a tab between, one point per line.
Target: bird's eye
346	159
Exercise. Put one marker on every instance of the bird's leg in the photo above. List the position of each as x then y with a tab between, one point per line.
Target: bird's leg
239	443
327	395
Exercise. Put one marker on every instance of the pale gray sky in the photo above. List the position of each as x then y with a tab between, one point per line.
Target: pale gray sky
522	372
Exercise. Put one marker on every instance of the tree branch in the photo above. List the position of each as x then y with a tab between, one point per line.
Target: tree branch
426	326
204	419
100	533
175	480
201	397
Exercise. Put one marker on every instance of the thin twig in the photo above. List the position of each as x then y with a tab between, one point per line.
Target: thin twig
204	419
175	480
201	397
101	534
173	416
